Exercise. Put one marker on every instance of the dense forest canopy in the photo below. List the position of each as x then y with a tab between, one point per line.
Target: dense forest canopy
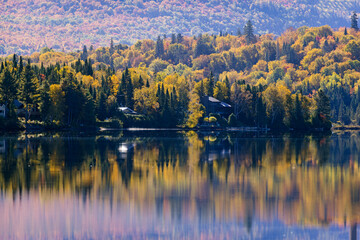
29	25
302	79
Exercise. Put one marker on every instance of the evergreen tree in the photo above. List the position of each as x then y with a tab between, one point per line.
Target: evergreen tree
84	54
147	83
179	38
159	48
211	85
29	93
158	92
174	103
228	87
14	61
260	112
354	21
201	92
111	46
173	38
45	102
8	88
129	89
322	114
249	32
90	71
141	82
94	94
162	97
121	94
78	66
323	104
299	117
345	31
88	111
101	107
74	99
341	112
171	104
167	99
203	47
21	66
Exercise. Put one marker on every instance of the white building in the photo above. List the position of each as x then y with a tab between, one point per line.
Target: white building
127	110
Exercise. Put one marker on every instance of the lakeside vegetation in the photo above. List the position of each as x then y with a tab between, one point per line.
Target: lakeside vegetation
301	80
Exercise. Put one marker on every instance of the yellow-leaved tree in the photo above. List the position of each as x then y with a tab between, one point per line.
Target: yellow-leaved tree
57	96
195	109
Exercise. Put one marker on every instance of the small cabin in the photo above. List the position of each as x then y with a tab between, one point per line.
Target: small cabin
127	110
216	106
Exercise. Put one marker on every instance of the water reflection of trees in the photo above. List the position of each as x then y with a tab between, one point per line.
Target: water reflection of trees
304	180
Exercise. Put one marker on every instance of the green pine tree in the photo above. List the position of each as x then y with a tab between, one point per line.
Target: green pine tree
84	54
14	61
129	89
211	85
8	90
299	117
173	38
45	101
249	32
21	65
201	92
179	38
260	112
29	90
228	87
111	50
101	107
141	82
159	48
88	110
322	114
354	21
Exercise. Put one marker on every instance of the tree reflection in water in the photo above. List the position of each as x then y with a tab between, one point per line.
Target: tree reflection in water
180	184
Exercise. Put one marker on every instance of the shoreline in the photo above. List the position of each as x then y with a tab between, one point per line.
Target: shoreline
99	130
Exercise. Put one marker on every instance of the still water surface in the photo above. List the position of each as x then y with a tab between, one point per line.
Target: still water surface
165	185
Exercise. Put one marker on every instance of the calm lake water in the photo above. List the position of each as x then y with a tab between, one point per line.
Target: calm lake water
165	185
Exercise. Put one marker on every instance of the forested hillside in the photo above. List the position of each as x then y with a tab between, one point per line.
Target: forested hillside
301	80
29	25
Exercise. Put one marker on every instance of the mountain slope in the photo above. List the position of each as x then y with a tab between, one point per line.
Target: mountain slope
27	26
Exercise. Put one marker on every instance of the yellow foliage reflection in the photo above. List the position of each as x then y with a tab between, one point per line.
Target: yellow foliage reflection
142	184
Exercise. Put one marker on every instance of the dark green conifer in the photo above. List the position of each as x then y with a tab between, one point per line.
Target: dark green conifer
141	82
354	21
211	85
249	32
159	48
